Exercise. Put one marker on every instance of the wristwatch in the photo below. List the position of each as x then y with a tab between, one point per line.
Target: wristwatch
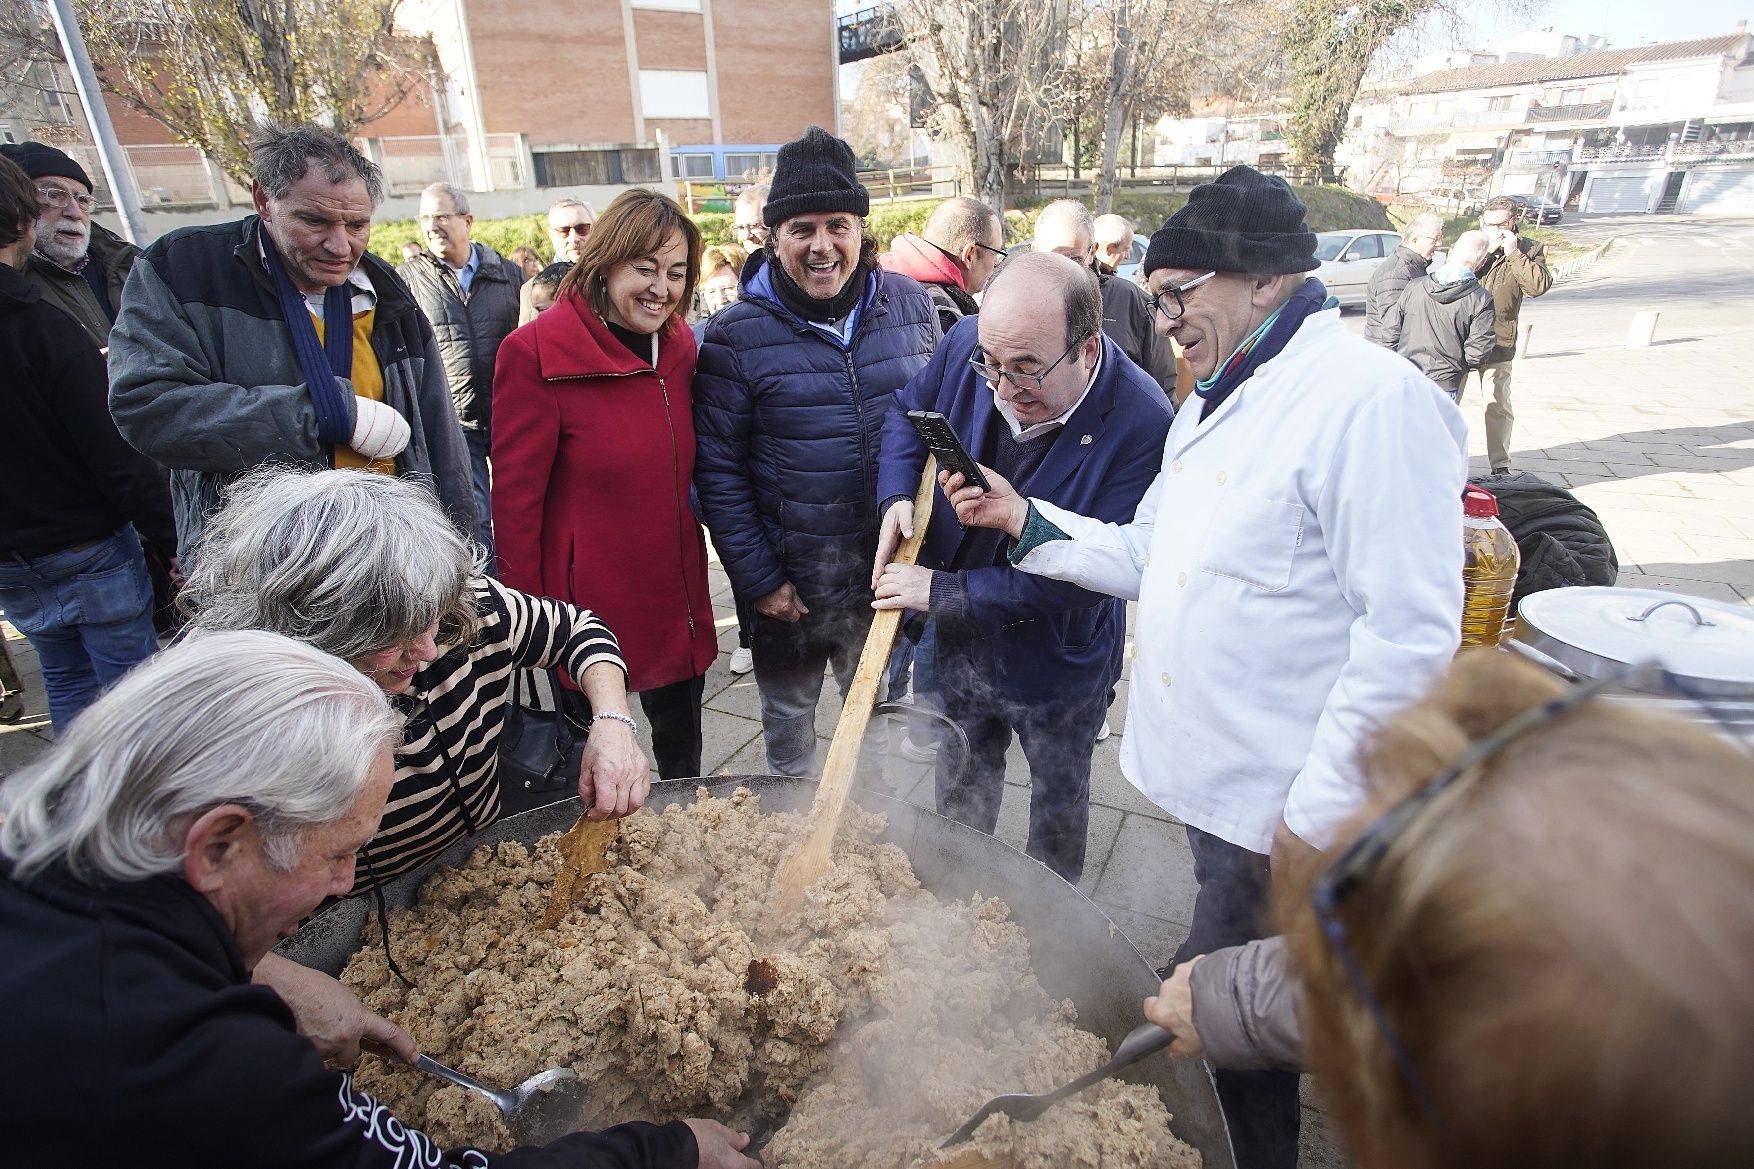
618	717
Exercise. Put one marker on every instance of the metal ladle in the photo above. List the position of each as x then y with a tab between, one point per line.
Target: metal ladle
1140	1042
538	1107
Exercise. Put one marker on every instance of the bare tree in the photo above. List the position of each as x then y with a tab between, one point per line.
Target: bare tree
1148	40
990	65
875	123
27	46
208	69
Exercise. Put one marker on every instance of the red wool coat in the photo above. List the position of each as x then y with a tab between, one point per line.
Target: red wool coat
593	454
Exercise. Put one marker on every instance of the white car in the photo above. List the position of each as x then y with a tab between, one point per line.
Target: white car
1348	258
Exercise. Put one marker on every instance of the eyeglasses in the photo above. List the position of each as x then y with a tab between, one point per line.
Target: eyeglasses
756	231
581	229
1162	307
436	220
1029	383
57	197
1354	866
999	252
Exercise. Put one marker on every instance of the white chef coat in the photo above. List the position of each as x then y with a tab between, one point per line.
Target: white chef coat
1298	566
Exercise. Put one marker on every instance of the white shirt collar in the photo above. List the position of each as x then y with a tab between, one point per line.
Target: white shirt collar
1020	432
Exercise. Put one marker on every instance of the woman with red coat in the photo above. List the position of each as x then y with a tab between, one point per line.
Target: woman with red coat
593	453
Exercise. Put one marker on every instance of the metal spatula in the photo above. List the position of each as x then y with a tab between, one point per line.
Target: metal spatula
1139	1043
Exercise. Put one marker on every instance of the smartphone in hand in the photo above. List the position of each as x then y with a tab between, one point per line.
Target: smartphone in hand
934	430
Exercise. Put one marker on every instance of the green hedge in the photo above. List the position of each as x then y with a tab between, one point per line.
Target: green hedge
1330	209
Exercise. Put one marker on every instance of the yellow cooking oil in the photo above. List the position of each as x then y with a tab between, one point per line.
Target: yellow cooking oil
1488	570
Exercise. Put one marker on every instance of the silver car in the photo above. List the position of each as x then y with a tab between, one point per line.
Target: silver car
1348	258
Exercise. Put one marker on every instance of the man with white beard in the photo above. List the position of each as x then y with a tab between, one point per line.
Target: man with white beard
78	265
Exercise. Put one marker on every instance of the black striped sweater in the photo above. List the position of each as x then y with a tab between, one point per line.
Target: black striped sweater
446	770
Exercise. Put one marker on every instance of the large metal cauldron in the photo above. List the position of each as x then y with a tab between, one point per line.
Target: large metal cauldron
1078	952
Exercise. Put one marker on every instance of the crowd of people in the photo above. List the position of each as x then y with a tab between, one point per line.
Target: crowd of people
383	493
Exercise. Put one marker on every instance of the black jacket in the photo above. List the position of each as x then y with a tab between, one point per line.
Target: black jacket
69	477
1386	283
1444	329
69	292
1561	540
469	328
1126	319
133	1036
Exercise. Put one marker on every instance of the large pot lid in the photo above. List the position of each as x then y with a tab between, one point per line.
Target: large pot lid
1708	644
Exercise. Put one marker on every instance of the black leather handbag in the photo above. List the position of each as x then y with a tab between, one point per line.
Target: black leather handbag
540	750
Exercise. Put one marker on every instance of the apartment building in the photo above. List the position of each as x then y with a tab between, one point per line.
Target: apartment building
534	99
1663	127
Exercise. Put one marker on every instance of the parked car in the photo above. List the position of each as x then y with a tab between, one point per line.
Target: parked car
1128	269
1348	258
1537	209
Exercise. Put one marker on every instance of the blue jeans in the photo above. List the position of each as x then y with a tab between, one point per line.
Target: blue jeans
479	444
789	659
88	615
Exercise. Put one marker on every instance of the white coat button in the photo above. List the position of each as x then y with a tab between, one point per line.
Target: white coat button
1221	477
1165	678
1085	441
1181	578
1176	467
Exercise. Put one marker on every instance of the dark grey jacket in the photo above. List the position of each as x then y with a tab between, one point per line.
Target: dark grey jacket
1446	329
1386	283
469	328
203	376
69	291
1126	318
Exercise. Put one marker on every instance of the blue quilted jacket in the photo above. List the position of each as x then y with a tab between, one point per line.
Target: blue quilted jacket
787	418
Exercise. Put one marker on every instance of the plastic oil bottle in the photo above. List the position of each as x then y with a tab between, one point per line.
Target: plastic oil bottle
1489	569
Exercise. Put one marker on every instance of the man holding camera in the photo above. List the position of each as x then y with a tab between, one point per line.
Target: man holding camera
1515	268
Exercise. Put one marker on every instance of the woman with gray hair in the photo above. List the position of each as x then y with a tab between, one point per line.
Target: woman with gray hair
367	567
187	821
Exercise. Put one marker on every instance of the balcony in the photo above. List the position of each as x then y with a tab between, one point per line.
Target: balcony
1588	111
1622	153
1475	119
1522	160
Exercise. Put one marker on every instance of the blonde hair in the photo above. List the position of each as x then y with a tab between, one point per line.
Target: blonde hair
1561	942
722	256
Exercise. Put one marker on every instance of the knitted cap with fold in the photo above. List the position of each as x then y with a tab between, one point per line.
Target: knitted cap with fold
1244	221
816	173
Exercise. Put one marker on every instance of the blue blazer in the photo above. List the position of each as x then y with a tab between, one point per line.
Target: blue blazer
1048	636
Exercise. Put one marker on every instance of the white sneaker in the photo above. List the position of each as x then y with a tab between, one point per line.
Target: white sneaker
918	752
1105	732
742	661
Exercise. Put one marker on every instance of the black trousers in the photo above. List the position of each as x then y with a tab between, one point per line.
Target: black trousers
1058	736
674	713
1230	909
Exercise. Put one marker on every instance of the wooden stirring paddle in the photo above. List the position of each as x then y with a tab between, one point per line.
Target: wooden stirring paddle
583	851
807	864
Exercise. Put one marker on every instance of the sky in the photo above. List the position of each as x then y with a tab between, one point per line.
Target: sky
1626	23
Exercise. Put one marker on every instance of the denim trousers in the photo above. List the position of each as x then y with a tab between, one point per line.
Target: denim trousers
789	660
1261	1108
479	444
88	614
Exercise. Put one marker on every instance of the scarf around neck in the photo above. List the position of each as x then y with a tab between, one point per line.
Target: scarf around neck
824	310
325	361
1261	346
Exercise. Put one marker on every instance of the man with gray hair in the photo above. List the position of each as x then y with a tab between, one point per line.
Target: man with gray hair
1419	242
470	294
569	226
1065	226
150	861
747	222
1444	321
279	339
1034	389
954	255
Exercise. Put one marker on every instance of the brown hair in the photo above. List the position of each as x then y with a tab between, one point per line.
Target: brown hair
723	256
636	224
1561	941
19	203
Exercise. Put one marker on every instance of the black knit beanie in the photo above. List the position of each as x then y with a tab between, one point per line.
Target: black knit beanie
1244	221
814	174
39	161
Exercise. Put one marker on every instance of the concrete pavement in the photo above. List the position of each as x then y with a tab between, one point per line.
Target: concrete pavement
1660	441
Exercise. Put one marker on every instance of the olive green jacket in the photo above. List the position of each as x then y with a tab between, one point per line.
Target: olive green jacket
69	292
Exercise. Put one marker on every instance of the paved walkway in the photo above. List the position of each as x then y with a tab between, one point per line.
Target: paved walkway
1660	441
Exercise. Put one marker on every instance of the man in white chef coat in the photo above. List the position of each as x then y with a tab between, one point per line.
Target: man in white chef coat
1298	566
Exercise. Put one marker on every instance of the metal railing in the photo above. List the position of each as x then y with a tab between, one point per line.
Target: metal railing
1589	111
412	161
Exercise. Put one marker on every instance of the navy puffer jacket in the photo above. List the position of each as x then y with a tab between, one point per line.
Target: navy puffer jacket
787	418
